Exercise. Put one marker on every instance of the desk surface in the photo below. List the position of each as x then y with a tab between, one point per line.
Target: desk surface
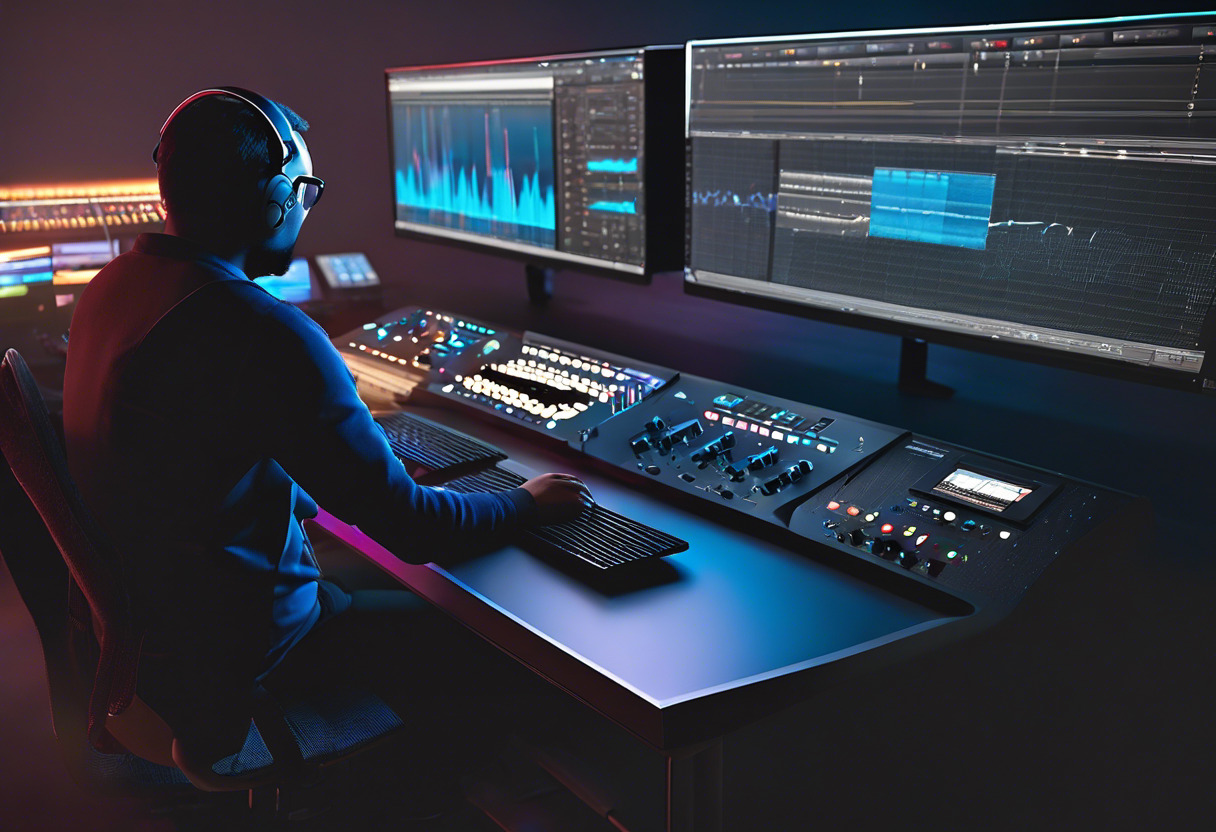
736	626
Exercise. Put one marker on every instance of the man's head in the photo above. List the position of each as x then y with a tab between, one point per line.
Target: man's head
221	176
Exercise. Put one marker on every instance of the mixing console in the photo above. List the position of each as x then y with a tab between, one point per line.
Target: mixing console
548	385
129	206
754	453
913	507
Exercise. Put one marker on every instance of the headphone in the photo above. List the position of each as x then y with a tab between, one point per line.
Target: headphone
279	195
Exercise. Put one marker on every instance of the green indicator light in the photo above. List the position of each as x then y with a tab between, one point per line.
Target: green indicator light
951	554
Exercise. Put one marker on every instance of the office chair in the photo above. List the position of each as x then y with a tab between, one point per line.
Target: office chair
70	578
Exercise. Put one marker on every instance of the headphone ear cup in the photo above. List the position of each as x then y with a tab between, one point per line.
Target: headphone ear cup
279	200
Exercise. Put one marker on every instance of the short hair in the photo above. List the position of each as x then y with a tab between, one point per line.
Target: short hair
210	159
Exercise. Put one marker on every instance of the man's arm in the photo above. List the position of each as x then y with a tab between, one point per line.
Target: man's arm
332	448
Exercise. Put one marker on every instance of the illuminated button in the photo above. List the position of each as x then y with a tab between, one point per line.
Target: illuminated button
949	516
754	427
763	431
911	530
778	435
822	448
1005	534
920	540
952	554
711	415
968	525
871	517
887	528
793	440
728	421
852	511
832	506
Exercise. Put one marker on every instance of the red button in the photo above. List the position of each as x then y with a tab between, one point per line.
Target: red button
832	506
852	511
887	528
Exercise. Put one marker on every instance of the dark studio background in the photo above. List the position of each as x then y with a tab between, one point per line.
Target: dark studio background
1124	741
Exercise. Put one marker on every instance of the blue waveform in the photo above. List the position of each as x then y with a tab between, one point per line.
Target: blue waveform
613	165
464	191
614	207
942	207
719	199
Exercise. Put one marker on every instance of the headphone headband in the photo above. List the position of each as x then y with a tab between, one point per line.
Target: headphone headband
267	108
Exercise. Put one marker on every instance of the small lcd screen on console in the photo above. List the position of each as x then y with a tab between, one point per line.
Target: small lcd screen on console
981	489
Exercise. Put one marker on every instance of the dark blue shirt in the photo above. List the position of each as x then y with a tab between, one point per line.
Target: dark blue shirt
204	421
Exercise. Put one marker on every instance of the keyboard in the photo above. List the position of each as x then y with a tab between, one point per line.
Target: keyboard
600	538
421	441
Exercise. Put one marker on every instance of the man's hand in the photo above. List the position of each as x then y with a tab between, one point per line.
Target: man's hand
559	497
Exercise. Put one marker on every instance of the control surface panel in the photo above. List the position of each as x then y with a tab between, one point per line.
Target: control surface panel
914	508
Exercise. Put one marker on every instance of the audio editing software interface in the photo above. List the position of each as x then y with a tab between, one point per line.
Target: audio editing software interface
539	155
1041	184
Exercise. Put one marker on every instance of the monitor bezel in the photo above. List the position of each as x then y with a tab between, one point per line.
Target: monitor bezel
1202	381
663	183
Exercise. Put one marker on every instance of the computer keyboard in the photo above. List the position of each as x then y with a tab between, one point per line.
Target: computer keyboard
421	441
600	538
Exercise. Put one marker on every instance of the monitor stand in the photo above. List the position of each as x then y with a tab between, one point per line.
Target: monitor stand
540	283
913	360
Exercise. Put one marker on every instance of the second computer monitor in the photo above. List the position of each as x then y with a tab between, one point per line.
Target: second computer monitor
572	160
1038	189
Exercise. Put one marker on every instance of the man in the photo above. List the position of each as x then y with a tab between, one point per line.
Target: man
206	420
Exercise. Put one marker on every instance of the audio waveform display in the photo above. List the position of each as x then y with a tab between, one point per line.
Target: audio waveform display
943	207
613	165
614	207
723	198
477	168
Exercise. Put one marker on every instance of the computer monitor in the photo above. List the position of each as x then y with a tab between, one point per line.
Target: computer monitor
568	161
1043	190
24	268
80	261
294	286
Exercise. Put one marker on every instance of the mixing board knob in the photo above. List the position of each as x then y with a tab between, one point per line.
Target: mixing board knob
762	460
656	425
709	452
640	445
857	537
686	430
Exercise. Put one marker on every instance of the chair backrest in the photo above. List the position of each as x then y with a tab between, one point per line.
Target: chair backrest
35	454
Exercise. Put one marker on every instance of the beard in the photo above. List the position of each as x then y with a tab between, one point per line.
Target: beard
262	262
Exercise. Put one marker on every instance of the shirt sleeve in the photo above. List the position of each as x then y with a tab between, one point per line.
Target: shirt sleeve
329	444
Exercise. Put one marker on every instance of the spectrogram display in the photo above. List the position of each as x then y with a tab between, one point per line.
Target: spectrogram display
477	168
